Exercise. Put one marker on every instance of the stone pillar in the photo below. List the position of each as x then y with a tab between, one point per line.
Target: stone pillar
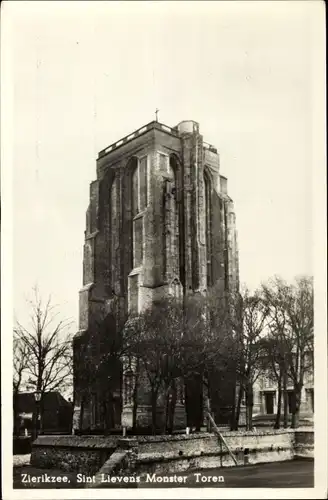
194	216
131	445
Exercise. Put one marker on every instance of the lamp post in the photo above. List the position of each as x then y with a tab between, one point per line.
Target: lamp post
37	397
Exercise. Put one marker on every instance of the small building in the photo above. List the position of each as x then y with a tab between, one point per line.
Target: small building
56	416
266	398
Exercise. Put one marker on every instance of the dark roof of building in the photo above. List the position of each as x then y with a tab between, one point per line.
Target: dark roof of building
52	400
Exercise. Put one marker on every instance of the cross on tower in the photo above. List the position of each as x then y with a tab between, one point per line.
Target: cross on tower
156	113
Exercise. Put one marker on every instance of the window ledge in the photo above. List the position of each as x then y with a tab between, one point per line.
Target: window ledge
136	270
90	236
139	215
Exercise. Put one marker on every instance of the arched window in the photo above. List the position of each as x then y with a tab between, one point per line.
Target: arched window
135	202
135	189
139	201
139	193
88	268
175	288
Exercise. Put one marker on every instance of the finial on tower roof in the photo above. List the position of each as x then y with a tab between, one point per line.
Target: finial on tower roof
156	113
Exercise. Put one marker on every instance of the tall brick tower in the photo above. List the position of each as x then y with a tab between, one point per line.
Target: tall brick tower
159	222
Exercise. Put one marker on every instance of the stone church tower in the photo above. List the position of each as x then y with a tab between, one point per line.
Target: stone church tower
159	222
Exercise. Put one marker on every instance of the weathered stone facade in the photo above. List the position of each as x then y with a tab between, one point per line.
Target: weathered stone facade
159	222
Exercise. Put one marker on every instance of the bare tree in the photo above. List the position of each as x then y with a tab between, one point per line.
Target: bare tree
209	352
20	360
250	328
47	344
103	354
291	312
157	334
275	366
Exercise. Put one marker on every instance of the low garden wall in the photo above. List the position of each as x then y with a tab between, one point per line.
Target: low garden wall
73	453
304	443
164	454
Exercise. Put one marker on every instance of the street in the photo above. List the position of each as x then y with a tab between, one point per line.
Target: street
290	474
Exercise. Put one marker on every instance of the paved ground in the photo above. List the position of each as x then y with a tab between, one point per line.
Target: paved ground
291	474
20	460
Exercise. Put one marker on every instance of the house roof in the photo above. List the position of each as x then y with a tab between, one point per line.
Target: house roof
52	400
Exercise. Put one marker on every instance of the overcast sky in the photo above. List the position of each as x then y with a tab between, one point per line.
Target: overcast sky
87	73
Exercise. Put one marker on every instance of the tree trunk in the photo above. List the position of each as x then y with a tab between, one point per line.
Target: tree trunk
251	404
296	406
237	414
285	396
234	407
187	402
200	415
166	406
171	409
108	411
81	413
154	394
41	416
194	401
15	414
249	407
278	415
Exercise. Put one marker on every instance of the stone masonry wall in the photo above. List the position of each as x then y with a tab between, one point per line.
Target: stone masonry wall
72	453
173	234
164	454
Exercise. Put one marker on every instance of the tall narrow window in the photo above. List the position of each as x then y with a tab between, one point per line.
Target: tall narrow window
135	191
114	228
139	203
207	188
139	186
138	242
171	243
143	183
163	162
94	408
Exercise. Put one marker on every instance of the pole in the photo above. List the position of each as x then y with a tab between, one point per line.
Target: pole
33	431
37	413
211	419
